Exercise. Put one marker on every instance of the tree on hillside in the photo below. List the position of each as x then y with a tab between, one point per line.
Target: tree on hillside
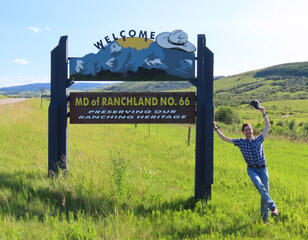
226	115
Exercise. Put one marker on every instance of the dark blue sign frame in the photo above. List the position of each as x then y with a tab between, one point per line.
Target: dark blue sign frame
57	115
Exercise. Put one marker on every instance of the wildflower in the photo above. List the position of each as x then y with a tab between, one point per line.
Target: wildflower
63	201
4	198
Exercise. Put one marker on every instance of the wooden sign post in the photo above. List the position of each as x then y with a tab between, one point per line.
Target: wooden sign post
170	57
57	112
204	122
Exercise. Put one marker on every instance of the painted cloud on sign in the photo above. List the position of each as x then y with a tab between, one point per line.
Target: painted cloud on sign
154	62
110	62
79	65
114	48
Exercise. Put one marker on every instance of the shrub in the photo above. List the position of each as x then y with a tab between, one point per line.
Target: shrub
226	115
278	130
280	123
305	127
292	125
292	128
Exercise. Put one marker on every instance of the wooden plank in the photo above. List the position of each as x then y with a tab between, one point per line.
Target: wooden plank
128	107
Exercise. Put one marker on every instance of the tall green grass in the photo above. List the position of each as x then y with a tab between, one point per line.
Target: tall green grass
128	182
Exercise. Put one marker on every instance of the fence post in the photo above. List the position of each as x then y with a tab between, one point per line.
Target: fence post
42	91
188	137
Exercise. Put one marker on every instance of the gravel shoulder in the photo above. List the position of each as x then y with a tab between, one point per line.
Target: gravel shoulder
11	100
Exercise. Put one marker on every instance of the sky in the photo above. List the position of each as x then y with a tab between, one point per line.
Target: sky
244	35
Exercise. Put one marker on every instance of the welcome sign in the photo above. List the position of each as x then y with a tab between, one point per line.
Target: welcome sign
132	56
135	55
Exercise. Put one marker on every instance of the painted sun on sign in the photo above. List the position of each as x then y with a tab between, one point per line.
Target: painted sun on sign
169	56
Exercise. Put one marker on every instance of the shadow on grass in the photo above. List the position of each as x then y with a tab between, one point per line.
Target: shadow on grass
175	205
28	201
34	201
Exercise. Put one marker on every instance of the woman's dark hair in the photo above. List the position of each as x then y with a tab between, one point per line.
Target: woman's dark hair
245	125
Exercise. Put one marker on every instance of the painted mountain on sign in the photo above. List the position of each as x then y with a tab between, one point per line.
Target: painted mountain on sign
129	60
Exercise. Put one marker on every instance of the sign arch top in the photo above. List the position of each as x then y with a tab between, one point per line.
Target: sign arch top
168	57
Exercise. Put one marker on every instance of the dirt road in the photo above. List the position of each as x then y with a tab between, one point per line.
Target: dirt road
11	100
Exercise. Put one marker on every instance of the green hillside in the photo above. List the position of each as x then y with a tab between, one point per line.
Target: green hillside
133	86
286	81
128	182
2	97
289	118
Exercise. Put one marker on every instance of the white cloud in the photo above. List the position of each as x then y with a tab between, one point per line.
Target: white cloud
34	29
3	79
20	61
48	28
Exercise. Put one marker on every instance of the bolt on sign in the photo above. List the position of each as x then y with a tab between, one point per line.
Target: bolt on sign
141	107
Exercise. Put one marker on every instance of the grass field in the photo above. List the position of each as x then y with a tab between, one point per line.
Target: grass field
292	109
282	115
138	183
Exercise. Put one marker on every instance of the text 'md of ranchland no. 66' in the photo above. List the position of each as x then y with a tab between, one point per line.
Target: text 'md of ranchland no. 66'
138	56
137	107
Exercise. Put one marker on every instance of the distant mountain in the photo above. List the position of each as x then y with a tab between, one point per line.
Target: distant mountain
31	90
280	82
115	62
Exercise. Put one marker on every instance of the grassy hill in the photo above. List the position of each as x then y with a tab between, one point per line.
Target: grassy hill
286	81
133	86
138	183
289	118
2	97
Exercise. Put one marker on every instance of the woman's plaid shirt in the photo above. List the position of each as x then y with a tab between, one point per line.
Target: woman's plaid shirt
252	150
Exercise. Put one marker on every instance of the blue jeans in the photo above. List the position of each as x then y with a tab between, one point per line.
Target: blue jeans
259	177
